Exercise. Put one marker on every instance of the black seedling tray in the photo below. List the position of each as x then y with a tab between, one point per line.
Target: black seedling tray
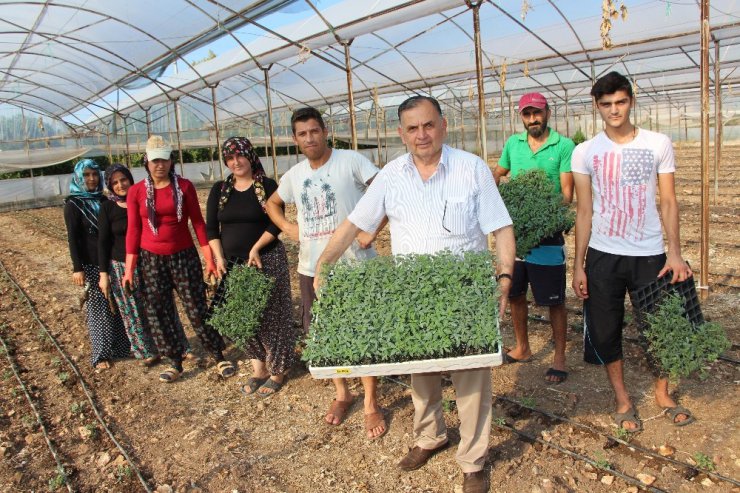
646	299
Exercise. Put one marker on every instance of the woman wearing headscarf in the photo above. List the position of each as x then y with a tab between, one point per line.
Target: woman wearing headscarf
107	334
240	231
158	238
112	225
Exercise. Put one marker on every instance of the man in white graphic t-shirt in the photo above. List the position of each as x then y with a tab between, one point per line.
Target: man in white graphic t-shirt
619	241
325	188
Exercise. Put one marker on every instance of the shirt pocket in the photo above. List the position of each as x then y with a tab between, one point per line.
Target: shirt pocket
457	217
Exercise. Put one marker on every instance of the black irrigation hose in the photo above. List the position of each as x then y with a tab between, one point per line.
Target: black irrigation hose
60	466
85	389
625	477
595	431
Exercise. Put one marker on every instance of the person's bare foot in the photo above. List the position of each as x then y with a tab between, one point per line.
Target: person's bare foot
519	354
337	411
665	401
103	365
375	424
627	425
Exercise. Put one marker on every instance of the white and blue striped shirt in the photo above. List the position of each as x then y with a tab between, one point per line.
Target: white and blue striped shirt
454	209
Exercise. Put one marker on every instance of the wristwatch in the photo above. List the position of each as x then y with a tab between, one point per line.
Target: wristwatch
502	276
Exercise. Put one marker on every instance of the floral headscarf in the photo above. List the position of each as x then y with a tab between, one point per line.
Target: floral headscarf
109	171
86	201
150	206
241	146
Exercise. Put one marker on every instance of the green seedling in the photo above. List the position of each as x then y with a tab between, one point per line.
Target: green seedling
536	209
93	430
500	421
680	347
238	317
123	473
63	376
56	362
14	392
77	407
623	434
703	461
404	308
28	421
7	374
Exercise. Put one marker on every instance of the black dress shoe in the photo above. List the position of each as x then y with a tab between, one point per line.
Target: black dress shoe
475	482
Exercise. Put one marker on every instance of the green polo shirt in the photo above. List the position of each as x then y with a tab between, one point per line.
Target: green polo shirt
553	157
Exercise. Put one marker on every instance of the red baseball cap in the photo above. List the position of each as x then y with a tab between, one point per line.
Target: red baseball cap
532	100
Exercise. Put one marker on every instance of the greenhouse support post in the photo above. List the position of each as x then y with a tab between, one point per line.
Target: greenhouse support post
475	7
218	133
177	131
148	118
125	136
567	115
704	281
717	120
350	93
268	97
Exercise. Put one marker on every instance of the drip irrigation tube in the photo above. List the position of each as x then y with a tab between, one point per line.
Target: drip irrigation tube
44	431
84	386
641	449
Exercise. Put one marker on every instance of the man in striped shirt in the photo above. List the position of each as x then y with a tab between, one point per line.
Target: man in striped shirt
436	198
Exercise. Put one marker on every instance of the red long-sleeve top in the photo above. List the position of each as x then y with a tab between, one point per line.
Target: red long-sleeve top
172	236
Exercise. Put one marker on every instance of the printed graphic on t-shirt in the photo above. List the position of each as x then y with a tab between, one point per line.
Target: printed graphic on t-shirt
320	217
623	178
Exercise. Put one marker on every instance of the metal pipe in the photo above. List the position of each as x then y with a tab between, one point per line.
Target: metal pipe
567	115
125	133
462	123
511	116
266	70
704	287
333	130
482	133
148	118
377	126
177	129
593	107
218	132
503	115
385	133
350	94
717	120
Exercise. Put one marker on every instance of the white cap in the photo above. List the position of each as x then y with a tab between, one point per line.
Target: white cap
157	148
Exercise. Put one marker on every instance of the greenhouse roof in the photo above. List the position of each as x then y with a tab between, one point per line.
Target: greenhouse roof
83	62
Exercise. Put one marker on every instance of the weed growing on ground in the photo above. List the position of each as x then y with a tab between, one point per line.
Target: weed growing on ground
57	481
680	347
449	405
63	376
77	407
14	392
56	362
623	434
28	421
93	429
528	401
7	374
703	461
123	473
500	421
602	462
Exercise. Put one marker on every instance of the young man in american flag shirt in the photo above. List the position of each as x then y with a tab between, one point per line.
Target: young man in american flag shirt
619	242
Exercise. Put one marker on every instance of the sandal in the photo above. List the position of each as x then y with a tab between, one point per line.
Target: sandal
673	412
169	375
271	385
375	420
559	376
339	409
629	416
252	385
225	369
151	361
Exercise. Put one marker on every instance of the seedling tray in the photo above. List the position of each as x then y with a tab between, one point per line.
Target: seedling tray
646	299
409	367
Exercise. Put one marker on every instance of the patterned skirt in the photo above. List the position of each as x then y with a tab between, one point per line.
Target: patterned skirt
131	308
107	333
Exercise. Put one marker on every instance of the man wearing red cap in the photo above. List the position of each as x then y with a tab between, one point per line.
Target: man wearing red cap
543	269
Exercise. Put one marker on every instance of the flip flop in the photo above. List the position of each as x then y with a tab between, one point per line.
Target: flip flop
374	420
630	416
169	375
225	369
511	359
151	361
673	412
271	385
560	376
338	409
252	384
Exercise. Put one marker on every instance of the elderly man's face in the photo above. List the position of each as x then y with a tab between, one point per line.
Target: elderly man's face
535	120
423	130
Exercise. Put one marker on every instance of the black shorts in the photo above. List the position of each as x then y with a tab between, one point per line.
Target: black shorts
609	278
547	281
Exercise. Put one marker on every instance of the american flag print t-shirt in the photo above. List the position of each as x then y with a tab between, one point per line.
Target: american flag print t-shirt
624	182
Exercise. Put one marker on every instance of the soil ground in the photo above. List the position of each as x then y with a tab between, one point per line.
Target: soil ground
201	434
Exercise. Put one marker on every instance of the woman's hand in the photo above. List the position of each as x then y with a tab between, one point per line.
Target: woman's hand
104	284
254	258
79	278
220	266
